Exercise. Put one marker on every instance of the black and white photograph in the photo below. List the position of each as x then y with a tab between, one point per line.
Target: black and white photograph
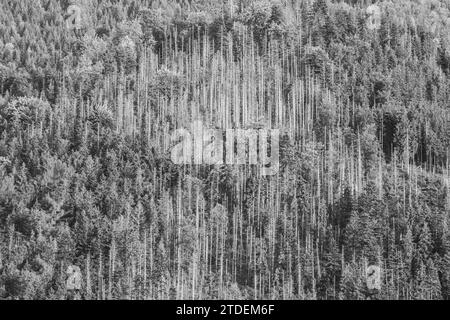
248	151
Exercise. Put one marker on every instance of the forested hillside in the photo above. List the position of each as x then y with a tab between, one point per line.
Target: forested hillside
90	92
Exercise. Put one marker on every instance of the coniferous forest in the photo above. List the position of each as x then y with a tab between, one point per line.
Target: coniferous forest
90	92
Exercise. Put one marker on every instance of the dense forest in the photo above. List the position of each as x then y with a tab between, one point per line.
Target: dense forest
90	92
